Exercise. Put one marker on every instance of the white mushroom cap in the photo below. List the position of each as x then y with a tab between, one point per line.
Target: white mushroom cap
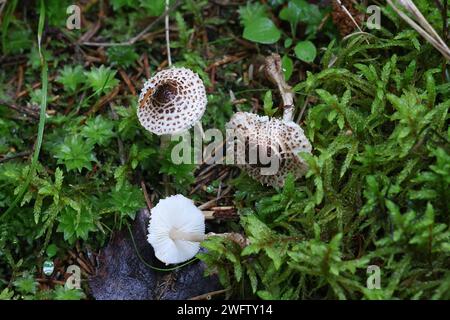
176	229
172	101
282	139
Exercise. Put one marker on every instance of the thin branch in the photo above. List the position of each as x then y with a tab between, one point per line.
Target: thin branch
209	295
17	155
350	16
139	35
425	29
33	114
148	201
2	6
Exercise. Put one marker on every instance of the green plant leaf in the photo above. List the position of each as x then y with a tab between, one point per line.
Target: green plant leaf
75	153
101	80
71	77
288	67
306	51
262	30
127	200
98	130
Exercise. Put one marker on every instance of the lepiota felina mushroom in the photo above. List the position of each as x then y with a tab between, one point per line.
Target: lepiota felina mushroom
280	139
283	139
172	101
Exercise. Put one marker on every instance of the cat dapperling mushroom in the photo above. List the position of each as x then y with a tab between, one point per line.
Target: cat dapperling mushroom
282	140
172	101
176	229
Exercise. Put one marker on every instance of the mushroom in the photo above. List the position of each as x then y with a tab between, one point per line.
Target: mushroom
176	229
172	101
282	140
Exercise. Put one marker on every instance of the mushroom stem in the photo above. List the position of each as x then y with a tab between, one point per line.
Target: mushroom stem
176	234
169	56
198	126
275	74
164	144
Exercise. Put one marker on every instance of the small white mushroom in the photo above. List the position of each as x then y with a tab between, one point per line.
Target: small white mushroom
176	229
282	140
172	101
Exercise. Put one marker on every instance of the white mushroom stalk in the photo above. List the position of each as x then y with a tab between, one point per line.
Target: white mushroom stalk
176	229
275	74
172	101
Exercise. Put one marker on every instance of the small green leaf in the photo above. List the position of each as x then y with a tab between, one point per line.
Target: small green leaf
61	293
71	77
101	79
287	42
268	104
306	51
98	130
154	8
76	224
262	30
124	56
51	251
127	200
75	153
288	66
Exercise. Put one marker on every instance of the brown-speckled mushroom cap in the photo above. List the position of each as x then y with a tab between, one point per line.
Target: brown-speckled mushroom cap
285	139
172	101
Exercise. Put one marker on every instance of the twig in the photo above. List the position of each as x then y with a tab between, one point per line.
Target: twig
20	80
28	111
305	104
104	100
138	36
146	66
34	86
147	198
209	295
127	80
349	15
2	6
227	59
17	155
210	203
424	29
221	213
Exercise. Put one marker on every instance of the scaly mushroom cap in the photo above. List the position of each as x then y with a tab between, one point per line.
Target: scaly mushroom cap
176	228
281	139
171	101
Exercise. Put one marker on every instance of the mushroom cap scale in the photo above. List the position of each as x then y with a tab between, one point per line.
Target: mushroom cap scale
172	101
281	139
176	226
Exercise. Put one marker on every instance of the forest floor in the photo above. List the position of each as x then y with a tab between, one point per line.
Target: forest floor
370	93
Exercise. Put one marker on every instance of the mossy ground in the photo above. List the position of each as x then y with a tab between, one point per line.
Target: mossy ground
374	106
